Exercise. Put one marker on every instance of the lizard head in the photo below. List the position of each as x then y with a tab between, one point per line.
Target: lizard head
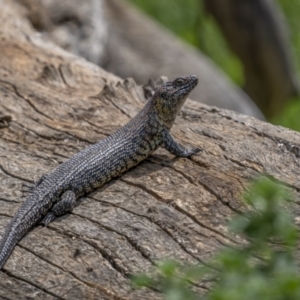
170	97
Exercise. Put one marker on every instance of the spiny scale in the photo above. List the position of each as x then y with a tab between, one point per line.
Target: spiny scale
56	193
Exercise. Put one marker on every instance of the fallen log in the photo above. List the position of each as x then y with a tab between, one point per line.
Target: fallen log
52	105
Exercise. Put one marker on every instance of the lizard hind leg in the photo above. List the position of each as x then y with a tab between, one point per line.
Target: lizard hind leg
63	206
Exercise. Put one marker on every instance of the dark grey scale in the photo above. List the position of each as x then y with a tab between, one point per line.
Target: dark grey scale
143	147
148	145
43	177
132	161
119	168
140	155
152	145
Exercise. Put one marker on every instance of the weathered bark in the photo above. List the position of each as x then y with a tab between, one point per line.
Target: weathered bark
52	105
255	31
79	27
128	43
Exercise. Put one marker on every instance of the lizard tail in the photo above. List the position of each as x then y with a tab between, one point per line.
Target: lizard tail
7	244
24	220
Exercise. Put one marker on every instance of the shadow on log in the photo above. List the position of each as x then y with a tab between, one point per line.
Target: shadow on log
53	104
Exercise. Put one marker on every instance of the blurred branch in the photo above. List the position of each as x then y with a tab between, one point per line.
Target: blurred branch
255	31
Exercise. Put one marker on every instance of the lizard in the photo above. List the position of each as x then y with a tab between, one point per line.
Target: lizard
57	193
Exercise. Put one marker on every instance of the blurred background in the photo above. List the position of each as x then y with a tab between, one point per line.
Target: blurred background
245	52
212	26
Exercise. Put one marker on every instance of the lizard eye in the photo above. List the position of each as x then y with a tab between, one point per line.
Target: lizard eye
179	81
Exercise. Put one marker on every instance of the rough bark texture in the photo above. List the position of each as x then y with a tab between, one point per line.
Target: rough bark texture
52	104
79	27
128	43
255	31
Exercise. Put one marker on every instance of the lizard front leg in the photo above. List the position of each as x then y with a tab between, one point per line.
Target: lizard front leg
173	147
63	206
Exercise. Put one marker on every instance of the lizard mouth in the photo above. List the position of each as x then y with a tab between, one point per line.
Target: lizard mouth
194	80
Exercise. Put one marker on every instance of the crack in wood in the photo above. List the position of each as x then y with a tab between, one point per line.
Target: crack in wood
292	148
26	129
61	73
243	165
166	165
26	100
131	242
27	148
68	134
96	126
95	246
110	88
14	176
157	223
9	201
5	215
159	198
84	282
34	154
219	197
205	226
8	273
96	130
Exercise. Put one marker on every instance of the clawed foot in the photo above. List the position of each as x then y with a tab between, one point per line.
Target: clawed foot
192	151
48	219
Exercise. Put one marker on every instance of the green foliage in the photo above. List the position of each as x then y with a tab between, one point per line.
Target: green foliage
180	16
172	279
264	268
188	20
290	117
291	10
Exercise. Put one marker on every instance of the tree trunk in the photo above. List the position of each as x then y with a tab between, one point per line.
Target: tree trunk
255	31
53	104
